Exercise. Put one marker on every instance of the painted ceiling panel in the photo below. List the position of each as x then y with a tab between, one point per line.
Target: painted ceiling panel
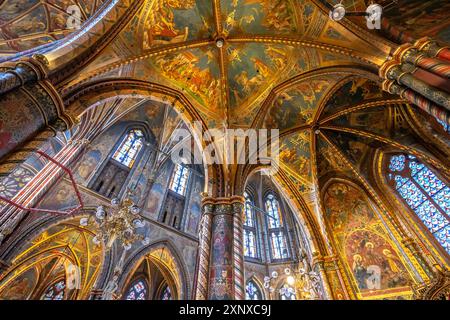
174	21
26	24
258	17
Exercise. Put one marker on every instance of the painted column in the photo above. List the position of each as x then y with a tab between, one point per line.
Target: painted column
19	156
26	117
418	100
420	59
201	292
395	72
238	249
221	257
431	47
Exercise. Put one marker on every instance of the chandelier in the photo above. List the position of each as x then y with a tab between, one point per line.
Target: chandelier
302	283
118	222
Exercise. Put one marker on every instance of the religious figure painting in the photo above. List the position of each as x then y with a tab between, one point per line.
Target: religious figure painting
370	255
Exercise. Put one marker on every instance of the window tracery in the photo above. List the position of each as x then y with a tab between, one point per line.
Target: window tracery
250	234
425	194
252	291
180	179
55	291
137	291
277	238
128	150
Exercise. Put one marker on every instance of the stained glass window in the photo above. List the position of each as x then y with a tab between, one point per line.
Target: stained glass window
272	208
277	238
424	193
180	179
444	125
287	293
137	291
166	294
128	150
55	291
250	235
252	291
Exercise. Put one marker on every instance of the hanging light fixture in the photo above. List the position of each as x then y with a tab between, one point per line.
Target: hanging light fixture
118	222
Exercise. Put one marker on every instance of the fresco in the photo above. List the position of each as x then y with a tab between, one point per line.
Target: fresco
369	254
195	72
173	21
48	252
21	287
297	105
194	210
25	24
422	18
351	93
328	160
258	17
295	158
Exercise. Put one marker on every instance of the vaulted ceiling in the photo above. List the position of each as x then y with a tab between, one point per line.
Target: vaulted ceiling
283	64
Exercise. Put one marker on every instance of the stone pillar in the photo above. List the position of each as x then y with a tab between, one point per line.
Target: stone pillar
27	116
21	154
418	100
432	48
394	72
221	257
420	59
201	292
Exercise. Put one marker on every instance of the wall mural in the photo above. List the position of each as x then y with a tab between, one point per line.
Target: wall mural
369	255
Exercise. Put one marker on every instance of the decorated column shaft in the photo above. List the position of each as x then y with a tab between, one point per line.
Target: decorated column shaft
221	257
420	101
27	117
201	292
432	48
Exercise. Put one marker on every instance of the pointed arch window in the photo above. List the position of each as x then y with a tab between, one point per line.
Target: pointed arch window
180	179
277	237
425	194
166	294
128	150
250	234
55	291
137	291
252	291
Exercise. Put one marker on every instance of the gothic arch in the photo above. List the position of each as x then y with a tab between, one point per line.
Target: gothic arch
369	221
179	275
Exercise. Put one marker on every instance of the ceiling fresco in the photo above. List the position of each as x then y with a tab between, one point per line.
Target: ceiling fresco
25	24
283	64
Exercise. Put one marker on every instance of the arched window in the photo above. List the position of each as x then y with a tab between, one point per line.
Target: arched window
180	179
137	291
287	293
252	291
277	238
444	125
55	291
166	294
128	150
250	235
424	193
